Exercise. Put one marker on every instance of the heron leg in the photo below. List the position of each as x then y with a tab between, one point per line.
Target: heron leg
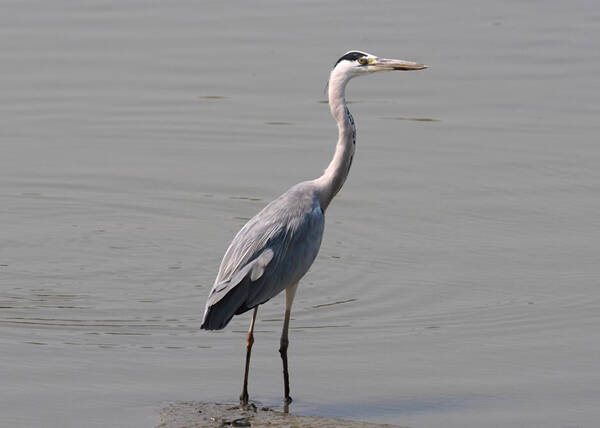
249	342
283	345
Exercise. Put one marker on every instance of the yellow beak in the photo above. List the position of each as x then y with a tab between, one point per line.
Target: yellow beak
385	64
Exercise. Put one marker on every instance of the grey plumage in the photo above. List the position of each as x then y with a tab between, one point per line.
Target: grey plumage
279	244
270	253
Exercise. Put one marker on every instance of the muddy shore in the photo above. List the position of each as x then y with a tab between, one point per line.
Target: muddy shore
199	415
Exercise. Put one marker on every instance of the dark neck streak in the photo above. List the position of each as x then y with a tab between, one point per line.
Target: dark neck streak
332	180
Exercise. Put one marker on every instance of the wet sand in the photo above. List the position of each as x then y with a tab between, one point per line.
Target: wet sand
211	415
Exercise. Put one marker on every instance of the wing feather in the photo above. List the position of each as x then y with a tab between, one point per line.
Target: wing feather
271	252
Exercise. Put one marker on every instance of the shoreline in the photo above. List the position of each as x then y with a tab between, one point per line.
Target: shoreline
199	415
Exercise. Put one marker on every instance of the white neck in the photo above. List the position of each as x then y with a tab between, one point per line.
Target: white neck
332	180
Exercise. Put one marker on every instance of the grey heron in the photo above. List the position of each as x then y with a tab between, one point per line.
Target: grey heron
276	247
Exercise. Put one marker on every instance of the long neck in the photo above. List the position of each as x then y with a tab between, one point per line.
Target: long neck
335	175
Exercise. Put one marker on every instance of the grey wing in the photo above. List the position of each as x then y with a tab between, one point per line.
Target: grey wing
294	251
270	253
253	270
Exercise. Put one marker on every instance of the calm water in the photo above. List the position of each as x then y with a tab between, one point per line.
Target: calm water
458	280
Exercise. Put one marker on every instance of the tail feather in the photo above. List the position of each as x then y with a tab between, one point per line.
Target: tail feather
230	297
218	315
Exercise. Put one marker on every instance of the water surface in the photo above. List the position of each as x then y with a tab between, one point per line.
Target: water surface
457	284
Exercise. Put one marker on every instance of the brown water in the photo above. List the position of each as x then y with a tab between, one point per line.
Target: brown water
457	284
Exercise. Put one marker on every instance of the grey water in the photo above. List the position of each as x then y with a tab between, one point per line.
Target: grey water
458	281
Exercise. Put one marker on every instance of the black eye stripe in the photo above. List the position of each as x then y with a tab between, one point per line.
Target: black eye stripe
350	56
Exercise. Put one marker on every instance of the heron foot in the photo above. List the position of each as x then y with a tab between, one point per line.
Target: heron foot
244	400
286	404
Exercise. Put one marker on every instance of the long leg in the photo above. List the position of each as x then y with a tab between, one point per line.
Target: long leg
289	298
249	342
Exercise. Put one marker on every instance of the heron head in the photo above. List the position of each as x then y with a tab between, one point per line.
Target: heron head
357	63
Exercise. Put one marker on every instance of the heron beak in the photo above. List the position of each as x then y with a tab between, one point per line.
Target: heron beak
385	64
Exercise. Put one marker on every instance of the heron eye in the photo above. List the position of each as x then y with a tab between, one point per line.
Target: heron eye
362	61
